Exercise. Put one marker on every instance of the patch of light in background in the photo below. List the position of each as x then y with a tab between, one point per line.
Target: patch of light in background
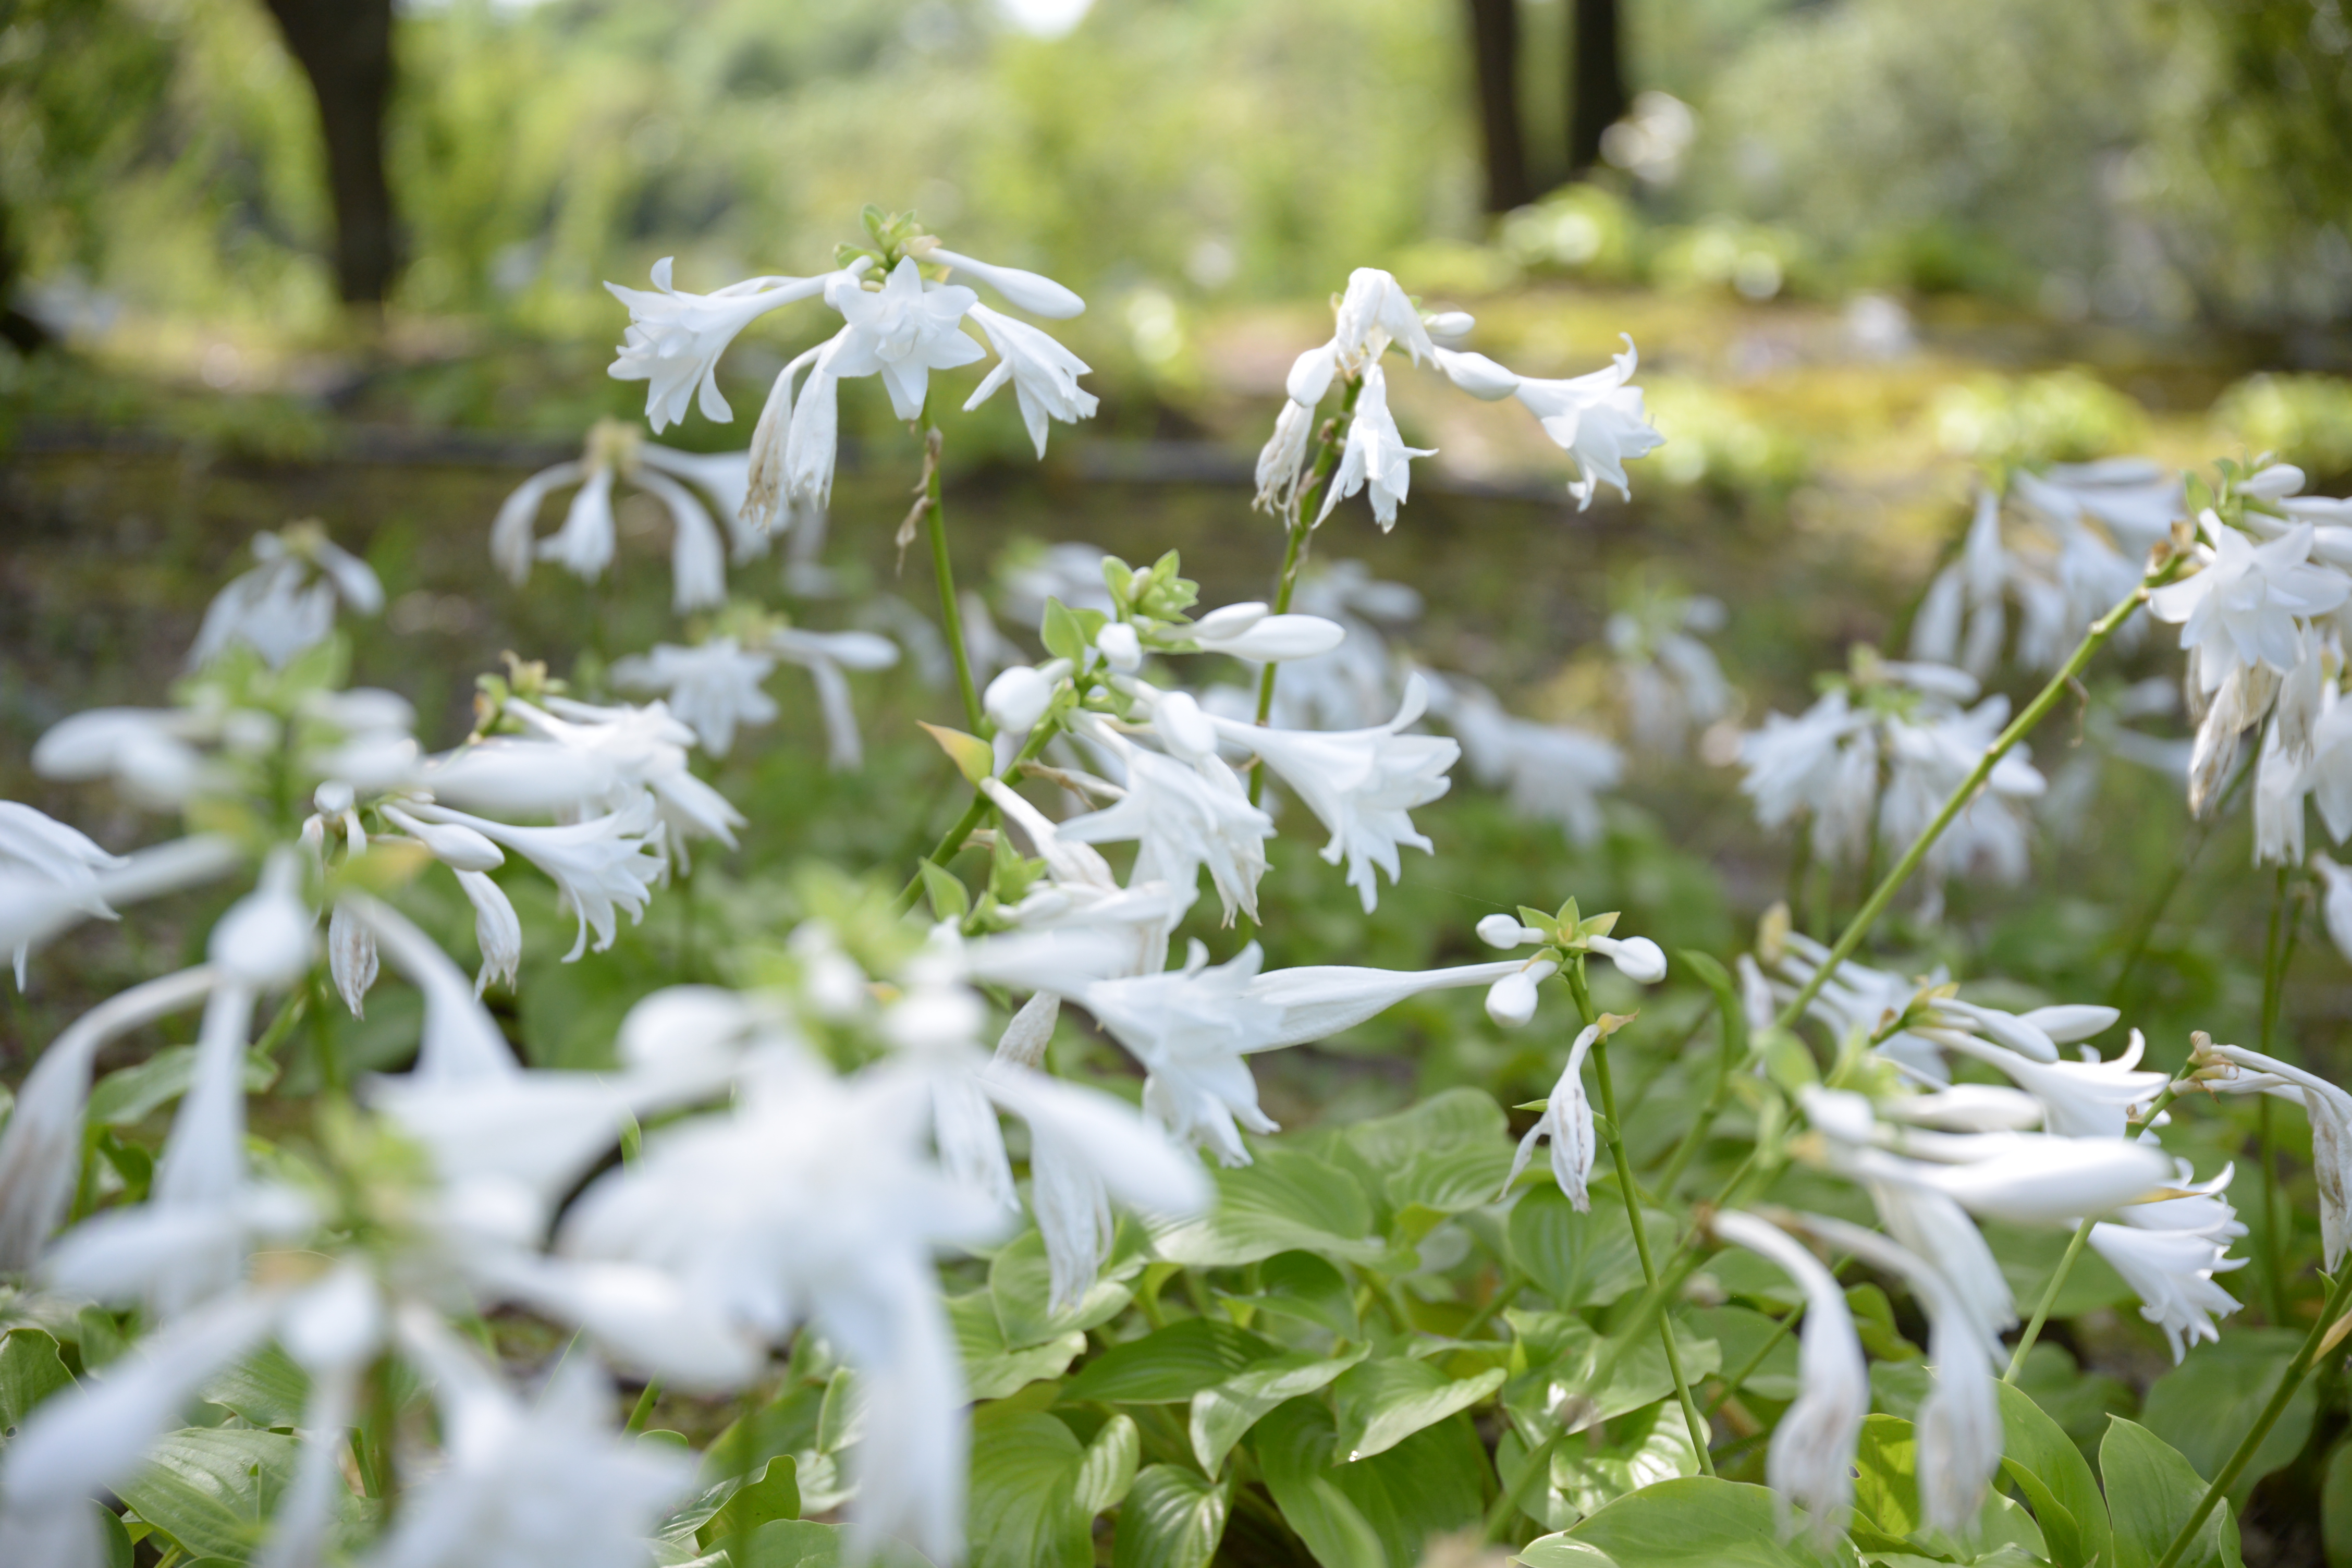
1044	18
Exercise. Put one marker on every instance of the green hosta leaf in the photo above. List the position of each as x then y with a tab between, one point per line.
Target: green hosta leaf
1560	1551
1169	1364
30	1371
774	1494
209	1488
1577	1259
972	755
127	1095
2080	1401
1109	1469
2205	1406
784	1425
1302	1285
1697	1521
1382	1403
1874	1319
1020	1281
1451	1180
841	1419
1886	1494
1286	1200
2335	1506
1172	1519
265	1388
2151	1491
1294	1454
950	899
1564	1357
1221	1414
1640	1449
1456	1118
803	1543
2051	1472
992	1369
1024	1475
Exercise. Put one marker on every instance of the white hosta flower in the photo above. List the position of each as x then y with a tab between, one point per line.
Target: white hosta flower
461	1040
1959	1428
497	930
1184	817
150	753
545	1484
673	340
1360	784
2172	1271
34	908
1019	696
1596	419
1037	295
1043	373
584	545
512	775
712	687
2329	1111
1375	454
1477	374
1192	1026
330	1330
1792	762
2029	1178
645	747
826	654
1933	1226
904	330
1927	763
287	603
2201	1206
599	866
2241	609
1553	773
834	1215
1637	958
1810	1459
1248	631
1121	648
1966	1108
350	960
1373	313
1282	461
1511	1001
2079	1099
41	848
1567	1123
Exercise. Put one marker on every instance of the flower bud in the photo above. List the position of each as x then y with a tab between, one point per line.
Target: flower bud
1278	638
1229	621
1477	374
1184	727
1017	699
1504	931
1511	1001
455	845
1450	325
1120	646
265	936
1637	958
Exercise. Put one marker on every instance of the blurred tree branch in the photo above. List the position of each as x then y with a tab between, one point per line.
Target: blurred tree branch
1597	97
1495	55
344	47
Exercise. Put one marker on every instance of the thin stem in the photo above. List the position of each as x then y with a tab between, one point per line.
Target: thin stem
2278	952
2145	932
2049	1299
972	815
2105	628
2296	1371
935	523
645	1407
1512	1283
1326	462
1700	1435
1536	1462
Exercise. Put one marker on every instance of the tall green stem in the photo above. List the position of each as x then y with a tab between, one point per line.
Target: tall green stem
2296	1371
935	524
1700	1435
2278	951
1308	502
945	850
2105	628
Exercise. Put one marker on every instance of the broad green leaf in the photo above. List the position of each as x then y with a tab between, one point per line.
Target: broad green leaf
783	1426
2080	1401
1109	1469
2037	1454
2151	1492
1455	1116
1696	1522
209	1488
2205	1406
2335	1506
1433	1483
1578	1260
1564	1357
1640	1449
991	1369
950	899
1169	1364
1381	1403
1559	1551
1294	1454
1873	1320
120	1553
1899	1387
774	1493
803	1543
1452	1179
1286	1200
1172	1519
841	1419
127	1095
1312	1290
265	1388
1223	1414
1886	1495
30	1371
1024	1474
1020	1281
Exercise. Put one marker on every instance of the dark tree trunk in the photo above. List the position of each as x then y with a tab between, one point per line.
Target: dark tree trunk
1597	97
18	330
1494	50
344	47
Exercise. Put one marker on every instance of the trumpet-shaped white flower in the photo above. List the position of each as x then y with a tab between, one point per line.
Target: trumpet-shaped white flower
1038	295
646	749
2336	902
1932	1225
287	603
34	908
1248	631
1811	1457
2029	1178
904	330
1184	817
1596	419
1375	454
1360	784
1793	763
711	688
673	340
1553	773
461	1040
2079	1099
1637	958
2172	1270
1043	373
584	544
1019	696
2241	609
2329	1111
1567	1123
1283	461
602	864
497	930
39	848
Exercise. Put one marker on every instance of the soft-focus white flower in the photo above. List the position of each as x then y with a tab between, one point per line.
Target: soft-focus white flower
1966	1108
1375	454
673	340
41	848
1283	461
1553	771
1121	648
2242	608
2031	1178
711	687
646	749
1670	680
1933	1226
287	603
34	908
1360	784
1037	295
2336	902
1184	816
904	330
150	752
1248	631
1043	373
1019	696
826	654
2329	1110
2172	1270
1810	1459
1637	958
605	862
330	1330
350	960
2079	1099
584	545
1792	762
1596	419
461	1040
1566	1121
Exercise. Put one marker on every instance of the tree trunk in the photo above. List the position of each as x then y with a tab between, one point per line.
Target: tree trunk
1597	97
1494	50
344	47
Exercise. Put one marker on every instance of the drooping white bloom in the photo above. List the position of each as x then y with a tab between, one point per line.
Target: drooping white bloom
330	1330
41	848
712	687
606	862
34	908
461	1040
673	340
1360	784
1670	680
2029	1178
1248	631
824	655
2329	1111
497	930
350	960
150	753
1596	419
584	544
287	603
1184	816
1966	1108
1283	461
2242	608
904	330
2172	1270
1932	1225
2079	1099
646	749
1810	1461
1038	295
1566	1121
1043	373
1375	454
1793	763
